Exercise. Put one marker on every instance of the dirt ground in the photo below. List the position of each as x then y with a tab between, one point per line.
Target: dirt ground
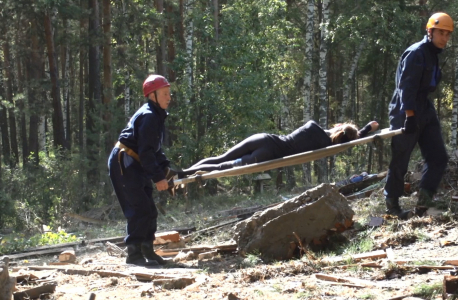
229	276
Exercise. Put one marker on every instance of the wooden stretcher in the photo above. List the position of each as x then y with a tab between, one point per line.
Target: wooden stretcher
291	160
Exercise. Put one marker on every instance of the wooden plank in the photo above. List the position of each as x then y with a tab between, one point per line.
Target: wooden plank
362	282
445	261
357	257
369	255
166	237
150	277
197	249
67	256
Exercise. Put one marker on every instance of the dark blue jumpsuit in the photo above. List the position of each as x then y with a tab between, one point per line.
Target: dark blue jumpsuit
417	75
131	179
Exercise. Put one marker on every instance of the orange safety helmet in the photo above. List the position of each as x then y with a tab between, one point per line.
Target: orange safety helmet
440	21
153	83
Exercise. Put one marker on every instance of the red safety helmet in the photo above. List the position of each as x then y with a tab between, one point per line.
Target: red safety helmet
153	83
440	21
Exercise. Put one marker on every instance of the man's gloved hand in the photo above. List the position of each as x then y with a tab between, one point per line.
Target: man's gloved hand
410	125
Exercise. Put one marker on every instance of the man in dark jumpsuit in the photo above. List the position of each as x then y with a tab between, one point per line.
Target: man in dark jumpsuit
136	160
417	75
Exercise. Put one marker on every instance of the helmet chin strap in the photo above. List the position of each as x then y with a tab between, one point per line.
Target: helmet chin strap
155	98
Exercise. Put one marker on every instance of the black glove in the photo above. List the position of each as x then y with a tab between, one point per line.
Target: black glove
410	125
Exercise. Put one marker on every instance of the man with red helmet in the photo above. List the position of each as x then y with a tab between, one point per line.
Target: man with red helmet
418	74
136	160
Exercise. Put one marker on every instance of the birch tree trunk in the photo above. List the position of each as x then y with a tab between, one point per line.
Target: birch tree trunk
308	104
34	67
323	117
9	98
65	83
21	104
189	49
350	74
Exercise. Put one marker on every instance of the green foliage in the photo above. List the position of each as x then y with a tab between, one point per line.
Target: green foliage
18	242
37	195
428	291
251	260
360	244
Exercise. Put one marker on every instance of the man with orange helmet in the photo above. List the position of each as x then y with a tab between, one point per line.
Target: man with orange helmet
418	74
136	160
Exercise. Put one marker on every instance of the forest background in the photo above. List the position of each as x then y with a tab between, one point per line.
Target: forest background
72	74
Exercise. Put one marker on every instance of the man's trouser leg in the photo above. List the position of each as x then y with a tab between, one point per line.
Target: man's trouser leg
134	193
401	149
435	156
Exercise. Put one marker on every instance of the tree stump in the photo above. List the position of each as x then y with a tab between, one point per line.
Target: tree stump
7	283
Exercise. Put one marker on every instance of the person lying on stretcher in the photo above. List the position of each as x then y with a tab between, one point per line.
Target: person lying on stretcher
262	147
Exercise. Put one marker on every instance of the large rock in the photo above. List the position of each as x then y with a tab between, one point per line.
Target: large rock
310	215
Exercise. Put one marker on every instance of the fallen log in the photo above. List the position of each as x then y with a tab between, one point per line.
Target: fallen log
140	275
35	292
357	186
70	271
212	227
86	219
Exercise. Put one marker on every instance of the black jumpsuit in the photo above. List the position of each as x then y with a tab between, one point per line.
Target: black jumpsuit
131	179
417	75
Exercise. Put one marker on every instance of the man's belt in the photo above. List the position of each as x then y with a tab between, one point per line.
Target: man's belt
129	151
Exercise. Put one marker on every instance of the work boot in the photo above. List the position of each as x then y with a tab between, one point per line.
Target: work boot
393	208
135	256
425	201
148	252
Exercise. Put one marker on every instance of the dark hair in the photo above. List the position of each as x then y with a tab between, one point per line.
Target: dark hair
346	132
